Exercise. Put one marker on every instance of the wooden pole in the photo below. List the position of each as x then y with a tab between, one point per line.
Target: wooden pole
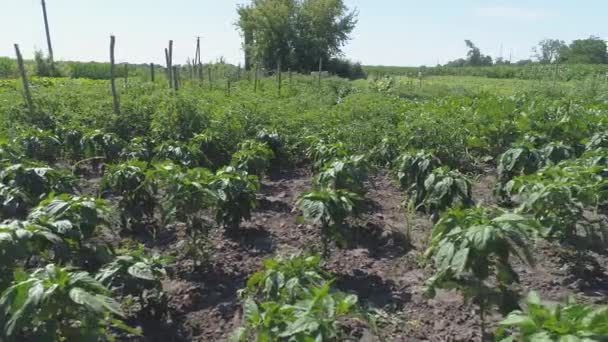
289	72
279	80
152	72
171	76
320	69
48	37
255	77
176	78
168	63
112	80
126	75
210	80
26	86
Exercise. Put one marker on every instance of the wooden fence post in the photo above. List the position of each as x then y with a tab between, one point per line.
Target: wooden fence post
210	80
320	69
48	38
112	80
152	72
255	77
26	86
176	78
279	80
126	75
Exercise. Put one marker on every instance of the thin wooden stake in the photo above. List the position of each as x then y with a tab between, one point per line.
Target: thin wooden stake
320	69
209	74
168	68
289	72
279	80
255	77
176	78
48	37
126	76
112	80
26	86
152	72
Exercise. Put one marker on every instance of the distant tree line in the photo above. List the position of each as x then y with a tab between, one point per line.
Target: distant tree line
592	50
299	35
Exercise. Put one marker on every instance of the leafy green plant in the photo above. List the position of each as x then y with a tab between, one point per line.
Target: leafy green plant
544	321
139	148
235	193
14	203
598	140
320	152
54	302
471	246
20	240
344	174
132	182
134	272
213	152
412	169
293	300
329	209
186	196
36	182
443	189
559	195
253	157
177	152
522	160
39	145
555	152
100	144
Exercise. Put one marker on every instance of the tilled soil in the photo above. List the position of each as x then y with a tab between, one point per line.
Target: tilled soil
383	267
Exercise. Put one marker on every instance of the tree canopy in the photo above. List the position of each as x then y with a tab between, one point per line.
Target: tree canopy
295	33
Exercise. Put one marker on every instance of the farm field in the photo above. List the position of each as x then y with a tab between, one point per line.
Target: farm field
386	209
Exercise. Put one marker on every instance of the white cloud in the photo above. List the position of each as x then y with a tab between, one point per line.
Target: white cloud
513	13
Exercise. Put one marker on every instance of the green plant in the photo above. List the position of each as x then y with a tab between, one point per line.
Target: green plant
253	157
100	144
14	203
522	160
36	182
58	303
186	196
20	240
412	169
344	174
177	152
544	321
470	246
39	145
293	300
320	152
235	193
213	152
132	181
139	148
443	189
555	152
328	208
134	272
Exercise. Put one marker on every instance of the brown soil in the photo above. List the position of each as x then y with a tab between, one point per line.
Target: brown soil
380	266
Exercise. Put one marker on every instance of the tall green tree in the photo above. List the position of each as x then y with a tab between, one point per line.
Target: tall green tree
549	50
296	33
586	51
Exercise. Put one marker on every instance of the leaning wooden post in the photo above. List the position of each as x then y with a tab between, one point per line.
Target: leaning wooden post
279	77
320	69
176	78
48	37
255	77
112	80
210	80
26	86
126	76
168	67
152	72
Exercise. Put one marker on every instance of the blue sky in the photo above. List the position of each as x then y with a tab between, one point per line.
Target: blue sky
390	32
